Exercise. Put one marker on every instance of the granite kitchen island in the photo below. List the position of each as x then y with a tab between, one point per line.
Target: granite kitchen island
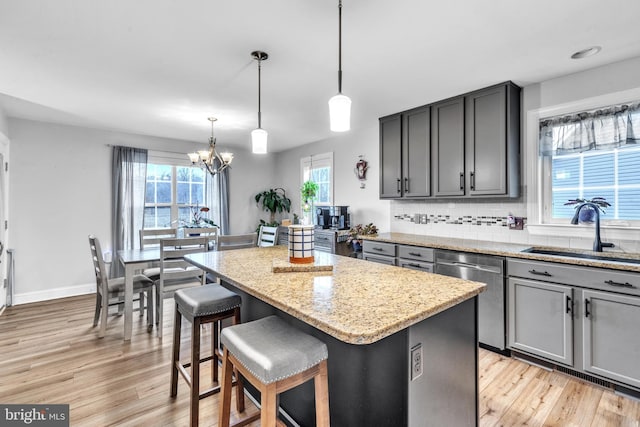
402	343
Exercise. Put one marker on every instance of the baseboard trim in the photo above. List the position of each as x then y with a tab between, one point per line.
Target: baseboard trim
49	294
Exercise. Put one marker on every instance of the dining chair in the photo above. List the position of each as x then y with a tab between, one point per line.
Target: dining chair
237	241
268	236
150	238
212	232
175	272
110	291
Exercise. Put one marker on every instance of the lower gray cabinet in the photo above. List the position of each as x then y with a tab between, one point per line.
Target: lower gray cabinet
541	319
381	252
611	342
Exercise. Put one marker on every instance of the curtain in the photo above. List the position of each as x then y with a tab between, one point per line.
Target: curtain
602	129
128	182
217	197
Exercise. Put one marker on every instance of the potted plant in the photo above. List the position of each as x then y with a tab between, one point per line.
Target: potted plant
360	230
308	192
587	213
274	200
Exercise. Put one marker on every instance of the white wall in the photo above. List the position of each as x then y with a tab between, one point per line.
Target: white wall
60	191
365	205
4	125
599	81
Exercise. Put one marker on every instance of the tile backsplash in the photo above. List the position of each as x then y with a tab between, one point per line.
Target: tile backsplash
482	221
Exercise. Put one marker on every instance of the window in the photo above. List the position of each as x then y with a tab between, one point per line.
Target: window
592	154
171	192
319	169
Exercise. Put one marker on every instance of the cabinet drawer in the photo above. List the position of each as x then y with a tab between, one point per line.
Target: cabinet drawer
415	253
379	259
378	248
416	265
585	277
324	241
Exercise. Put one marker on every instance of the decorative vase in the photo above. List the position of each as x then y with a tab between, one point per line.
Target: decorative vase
587	215
357	246
301	244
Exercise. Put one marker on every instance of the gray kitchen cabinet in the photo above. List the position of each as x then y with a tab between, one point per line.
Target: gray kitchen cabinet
611	339
540	319
405	154
582	317
415	258
390	156
447	137
381	252
492	141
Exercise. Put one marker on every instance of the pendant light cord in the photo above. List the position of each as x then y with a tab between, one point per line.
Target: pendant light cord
340	46
259	92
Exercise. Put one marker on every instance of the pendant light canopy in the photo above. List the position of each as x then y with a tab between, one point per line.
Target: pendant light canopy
340	105
259	135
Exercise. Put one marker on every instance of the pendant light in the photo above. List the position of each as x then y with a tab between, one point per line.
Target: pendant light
259	135
340	105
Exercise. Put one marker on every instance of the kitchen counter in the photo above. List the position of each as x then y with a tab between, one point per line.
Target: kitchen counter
402	343
509	250
358	302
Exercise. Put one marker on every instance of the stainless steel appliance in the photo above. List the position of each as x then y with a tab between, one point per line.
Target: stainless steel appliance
491	303
323	217
339	217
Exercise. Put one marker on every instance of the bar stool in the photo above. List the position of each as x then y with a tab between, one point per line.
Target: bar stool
201	305
274	357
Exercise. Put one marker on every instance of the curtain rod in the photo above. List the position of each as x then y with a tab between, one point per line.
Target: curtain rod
159	151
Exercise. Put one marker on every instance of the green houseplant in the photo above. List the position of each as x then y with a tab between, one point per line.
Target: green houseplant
587	214
274	200
308	191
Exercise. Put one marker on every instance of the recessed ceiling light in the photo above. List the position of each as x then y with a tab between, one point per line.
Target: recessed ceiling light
586	52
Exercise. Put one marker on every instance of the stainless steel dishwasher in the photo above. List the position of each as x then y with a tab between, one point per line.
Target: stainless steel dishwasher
491	303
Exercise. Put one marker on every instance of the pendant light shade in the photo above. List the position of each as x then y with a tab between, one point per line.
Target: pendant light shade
259	141
340	105
340	113
259	136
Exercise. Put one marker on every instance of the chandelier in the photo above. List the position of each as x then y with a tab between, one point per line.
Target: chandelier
210	159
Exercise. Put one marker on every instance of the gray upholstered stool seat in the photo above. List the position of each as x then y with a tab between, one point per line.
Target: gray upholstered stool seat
274	357
204	300
201	305
272	350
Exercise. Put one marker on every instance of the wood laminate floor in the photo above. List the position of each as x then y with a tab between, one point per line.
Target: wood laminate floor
50	353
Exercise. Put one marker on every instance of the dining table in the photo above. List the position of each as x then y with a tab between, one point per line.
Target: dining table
134	260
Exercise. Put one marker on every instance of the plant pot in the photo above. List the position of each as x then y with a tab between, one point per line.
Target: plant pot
357	246
587	215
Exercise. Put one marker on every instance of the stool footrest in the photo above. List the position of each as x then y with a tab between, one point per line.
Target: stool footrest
247	420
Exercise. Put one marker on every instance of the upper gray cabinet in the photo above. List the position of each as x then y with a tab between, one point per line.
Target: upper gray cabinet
405	154
492	141
472	145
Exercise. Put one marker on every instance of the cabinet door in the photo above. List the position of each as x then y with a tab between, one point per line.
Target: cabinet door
540	319
447	139
611	339
390	156
416	153
486	142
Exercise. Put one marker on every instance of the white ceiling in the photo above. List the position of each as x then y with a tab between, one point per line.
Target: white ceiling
161	67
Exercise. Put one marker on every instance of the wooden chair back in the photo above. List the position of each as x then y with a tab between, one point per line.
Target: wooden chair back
102	280
237	241
152	237
211	232
268	236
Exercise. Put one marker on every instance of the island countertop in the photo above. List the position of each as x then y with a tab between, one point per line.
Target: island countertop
358	302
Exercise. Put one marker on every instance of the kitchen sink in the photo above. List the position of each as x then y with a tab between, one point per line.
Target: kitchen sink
578	254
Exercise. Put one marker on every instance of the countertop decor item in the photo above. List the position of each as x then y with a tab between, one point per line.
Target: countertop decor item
301	244
587	213
360	230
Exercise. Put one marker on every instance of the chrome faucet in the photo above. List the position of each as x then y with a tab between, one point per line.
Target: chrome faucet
597	243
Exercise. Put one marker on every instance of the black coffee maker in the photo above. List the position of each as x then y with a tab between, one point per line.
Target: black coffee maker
323	219
339	217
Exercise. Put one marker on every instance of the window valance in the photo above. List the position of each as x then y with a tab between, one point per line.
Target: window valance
601	129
